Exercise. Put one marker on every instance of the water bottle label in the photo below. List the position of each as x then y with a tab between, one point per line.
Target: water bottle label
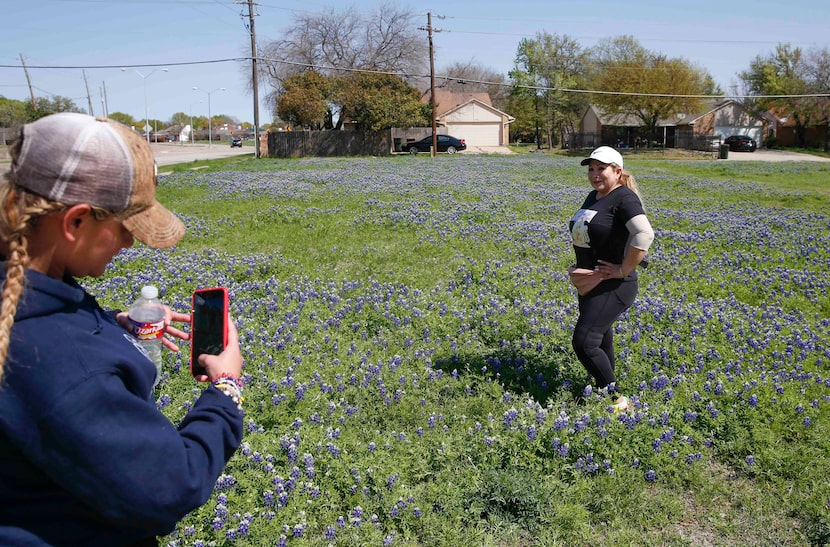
148	331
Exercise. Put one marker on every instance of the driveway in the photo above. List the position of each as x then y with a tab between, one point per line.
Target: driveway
487	150
773	155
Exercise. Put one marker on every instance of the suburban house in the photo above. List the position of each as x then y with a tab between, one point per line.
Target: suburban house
714	122
468	116
472	117
784	131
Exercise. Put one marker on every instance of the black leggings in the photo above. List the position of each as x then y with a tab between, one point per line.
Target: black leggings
593	339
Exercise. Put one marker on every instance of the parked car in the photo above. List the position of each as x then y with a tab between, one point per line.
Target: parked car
236	142
741	143
446	143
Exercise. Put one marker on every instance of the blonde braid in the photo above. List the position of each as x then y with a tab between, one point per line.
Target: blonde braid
627	180
19	211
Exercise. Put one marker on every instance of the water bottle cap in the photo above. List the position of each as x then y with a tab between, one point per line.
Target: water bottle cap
149	292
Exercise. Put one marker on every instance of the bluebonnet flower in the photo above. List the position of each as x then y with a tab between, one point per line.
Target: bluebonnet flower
225	482
656	444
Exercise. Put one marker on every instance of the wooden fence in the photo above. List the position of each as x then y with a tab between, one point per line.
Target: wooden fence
295	144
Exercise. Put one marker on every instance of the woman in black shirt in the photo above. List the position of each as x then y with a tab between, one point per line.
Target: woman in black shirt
611	235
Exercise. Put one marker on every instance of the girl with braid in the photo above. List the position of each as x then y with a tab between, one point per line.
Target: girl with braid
86	458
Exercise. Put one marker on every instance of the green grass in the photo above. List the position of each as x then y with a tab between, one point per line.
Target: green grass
406	324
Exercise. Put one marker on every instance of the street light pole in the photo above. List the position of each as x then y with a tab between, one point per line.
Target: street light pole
146	111
210	121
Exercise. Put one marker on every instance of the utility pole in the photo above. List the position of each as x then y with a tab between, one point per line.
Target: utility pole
28	81
88	96
104	99
432	86
254	77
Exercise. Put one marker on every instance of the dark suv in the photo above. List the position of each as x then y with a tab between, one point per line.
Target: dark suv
236	142
741	143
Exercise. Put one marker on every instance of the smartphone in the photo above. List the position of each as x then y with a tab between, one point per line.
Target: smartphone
208	325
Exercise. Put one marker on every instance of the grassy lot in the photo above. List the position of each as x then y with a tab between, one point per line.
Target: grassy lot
406	326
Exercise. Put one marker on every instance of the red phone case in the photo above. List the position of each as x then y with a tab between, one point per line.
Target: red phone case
219	294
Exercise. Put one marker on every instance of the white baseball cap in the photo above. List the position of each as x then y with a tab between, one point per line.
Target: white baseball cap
606	155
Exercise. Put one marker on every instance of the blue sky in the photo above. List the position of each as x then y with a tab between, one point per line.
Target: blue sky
192	37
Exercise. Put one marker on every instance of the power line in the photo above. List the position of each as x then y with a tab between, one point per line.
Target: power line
405	75
676	40
119	67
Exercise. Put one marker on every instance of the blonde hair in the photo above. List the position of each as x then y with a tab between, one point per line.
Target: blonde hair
627	180
19	213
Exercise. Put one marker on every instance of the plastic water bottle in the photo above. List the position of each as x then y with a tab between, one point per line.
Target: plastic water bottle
147	319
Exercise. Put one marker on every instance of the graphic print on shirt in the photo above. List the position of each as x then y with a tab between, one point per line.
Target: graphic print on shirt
579	232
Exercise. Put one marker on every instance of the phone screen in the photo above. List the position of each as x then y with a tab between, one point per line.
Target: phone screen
209	333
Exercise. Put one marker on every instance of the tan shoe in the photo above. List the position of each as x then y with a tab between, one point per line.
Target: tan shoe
621	405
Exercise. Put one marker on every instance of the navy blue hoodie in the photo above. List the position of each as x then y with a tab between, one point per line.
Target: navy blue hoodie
86	458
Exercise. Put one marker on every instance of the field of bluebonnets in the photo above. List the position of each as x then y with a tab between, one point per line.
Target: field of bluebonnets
406	327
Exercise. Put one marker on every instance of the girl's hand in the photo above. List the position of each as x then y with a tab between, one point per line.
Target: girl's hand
229	362
609	270
169	317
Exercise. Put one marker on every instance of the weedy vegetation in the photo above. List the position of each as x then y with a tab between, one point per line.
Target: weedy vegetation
406	328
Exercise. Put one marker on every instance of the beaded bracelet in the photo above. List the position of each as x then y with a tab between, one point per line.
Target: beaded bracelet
232	387
234	379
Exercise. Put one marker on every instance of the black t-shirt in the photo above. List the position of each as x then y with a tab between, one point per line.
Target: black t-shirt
598	228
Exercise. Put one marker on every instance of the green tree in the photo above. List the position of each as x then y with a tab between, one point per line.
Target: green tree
521	105
180	118
126	119
379	101
780	76
647	85
46	106
305	100
200	122
545	68
13	113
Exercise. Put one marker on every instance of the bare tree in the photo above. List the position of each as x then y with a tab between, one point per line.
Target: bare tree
339	41
470	77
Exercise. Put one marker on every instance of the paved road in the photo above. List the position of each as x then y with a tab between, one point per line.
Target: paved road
170	153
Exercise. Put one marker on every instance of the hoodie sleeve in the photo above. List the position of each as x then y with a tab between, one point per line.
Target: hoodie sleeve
120	455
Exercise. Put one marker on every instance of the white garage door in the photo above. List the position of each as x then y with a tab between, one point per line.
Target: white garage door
475	134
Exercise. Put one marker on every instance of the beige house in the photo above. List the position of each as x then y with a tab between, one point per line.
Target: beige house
716	120
472	117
